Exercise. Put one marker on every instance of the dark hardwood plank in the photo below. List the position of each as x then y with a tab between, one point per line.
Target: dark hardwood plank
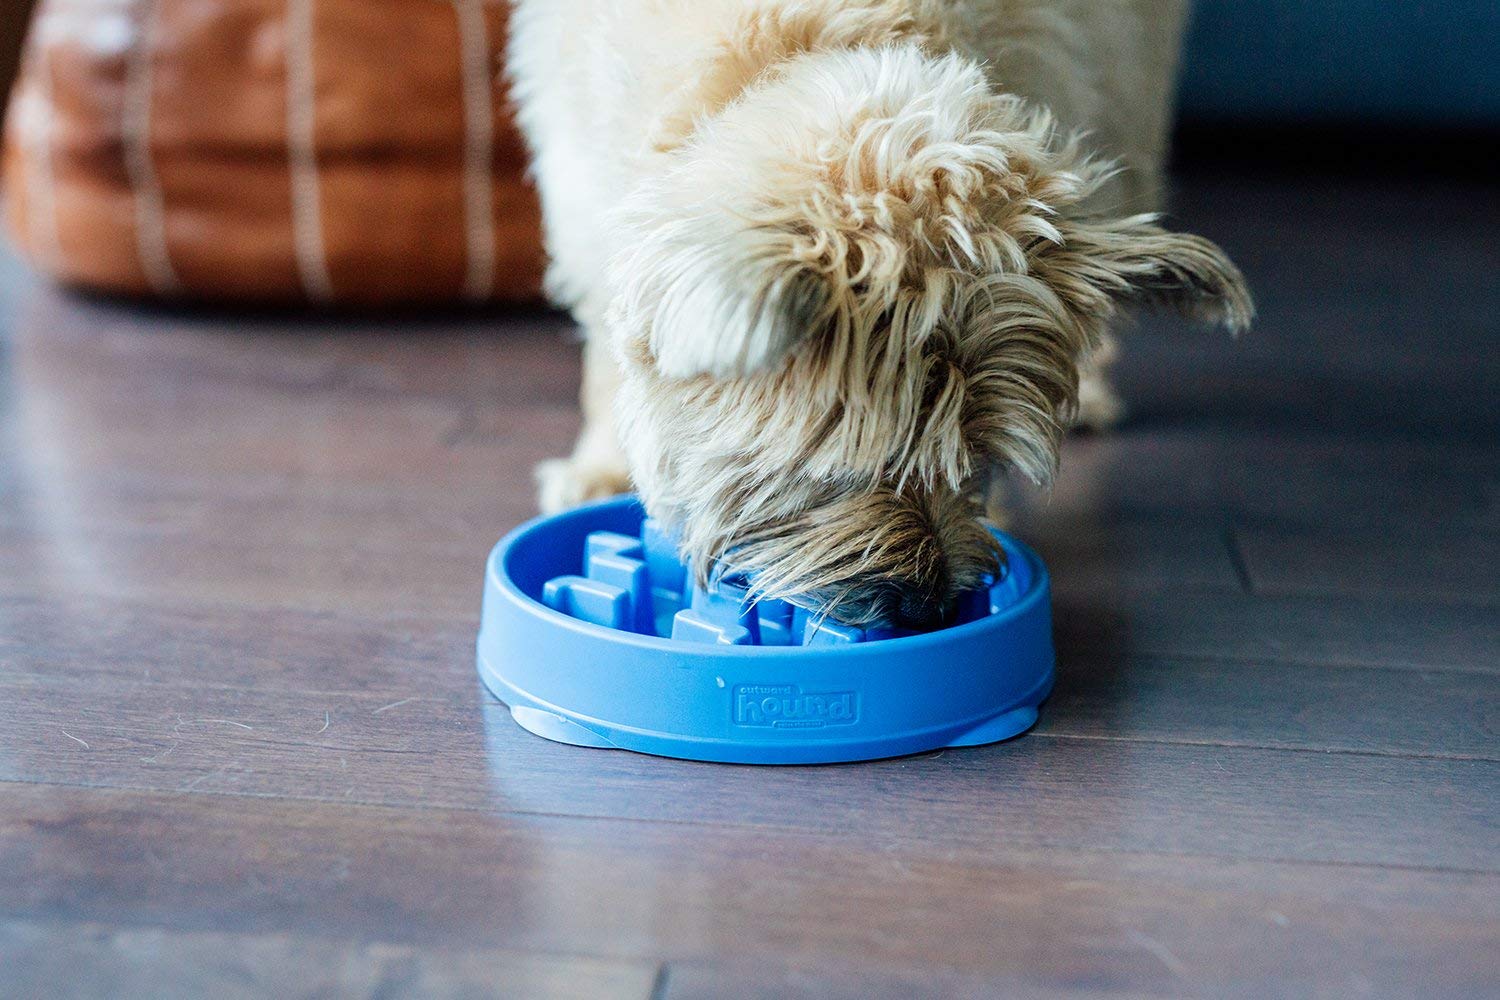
184	643
1233	392
1124	690
768	981
229	569
1292	705
83	961
252	541
269	544
1126	924
461	750
1145	554
169	637
518	356
1419	561
1421	972
1338	630
95	389
260	488
1302	476
1376	312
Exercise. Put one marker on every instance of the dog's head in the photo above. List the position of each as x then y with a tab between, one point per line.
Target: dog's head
851	295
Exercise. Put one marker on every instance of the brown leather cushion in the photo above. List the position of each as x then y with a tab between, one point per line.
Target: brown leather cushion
354	151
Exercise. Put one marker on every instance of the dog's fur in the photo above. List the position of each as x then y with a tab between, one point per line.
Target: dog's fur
837	260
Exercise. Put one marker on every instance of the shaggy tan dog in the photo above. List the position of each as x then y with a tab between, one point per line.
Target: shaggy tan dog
839	260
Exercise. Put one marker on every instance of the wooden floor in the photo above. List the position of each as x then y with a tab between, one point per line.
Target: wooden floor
243	751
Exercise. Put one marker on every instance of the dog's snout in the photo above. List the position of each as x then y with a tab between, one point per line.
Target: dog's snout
917	603
922	606
873	557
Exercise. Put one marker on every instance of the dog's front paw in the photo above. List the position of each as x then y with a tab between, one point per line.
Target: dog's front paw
568	482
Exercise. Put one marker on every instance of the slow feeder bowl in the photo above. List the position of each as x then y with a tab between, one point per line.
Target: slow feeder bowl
592	635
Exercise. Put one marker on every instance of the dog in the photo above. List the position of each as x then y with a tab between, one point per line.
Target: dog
839	261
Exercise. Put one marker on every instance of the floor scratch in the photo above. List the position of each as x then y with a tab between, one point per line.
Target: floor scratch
1237	560
326	722
74	738
228	722
216	772
1162	952
394	704
165	753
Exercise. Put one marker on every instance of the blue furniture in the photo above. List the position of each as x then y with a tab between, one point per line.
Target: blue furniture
1380	61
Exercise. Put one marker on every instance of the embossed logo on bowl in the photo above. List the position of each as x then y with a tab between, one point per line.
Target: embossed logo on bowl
786	706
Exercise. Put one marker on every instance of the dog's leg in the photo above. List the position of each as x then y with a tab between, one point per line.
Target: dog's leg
596	469
1099	408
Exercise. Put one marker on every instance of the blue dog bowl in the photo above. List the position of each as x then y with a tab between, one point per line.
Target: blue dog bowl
593	636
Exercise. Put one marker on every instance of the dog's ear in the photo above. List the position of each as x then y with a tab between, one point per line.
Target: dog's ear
1097	264
1026	333
707	289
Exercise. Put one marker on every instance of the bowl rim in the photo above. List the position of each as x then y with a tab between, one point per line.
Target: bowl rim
1037	594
